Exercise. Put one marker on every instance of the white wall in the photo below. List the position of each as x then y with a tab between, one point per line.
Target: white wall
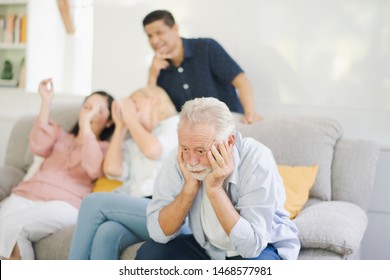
46	48
312	52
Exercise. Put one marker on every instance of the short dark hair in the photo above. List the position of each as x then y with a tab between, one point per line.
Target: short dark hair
107	132
164	15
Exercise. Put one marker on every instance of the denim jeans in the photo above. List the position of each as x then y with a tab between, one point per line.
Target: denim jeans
107	224
185	247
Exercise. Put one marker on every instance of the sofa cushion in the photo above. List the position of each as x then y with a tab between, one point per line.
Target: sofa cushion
35	165
298	181
332	225
55	246
104	184
303	141
10	177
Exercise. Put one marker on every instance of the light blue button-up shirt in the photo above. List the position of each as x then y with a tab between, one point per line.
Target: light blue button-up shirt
256	190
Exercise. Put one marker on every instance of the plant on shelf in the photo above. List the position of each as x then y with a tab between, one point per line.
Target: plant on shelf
7	74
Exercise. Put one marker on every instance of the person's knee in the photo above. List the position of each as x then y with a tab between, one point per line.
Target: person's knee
91	201
108	231
151	250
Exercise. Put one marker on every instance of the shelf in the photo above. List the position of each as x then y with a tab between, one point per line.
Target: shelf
13	2
12	46
11	90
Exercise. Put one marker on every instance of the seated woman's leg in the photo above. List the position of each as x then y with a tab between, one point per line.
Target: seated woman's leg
40	219
96	209
183	247
110	240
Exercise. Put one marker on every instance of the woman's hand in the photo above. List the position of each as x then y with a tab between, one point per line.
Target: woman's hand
116	112
129	111
88	112
46	90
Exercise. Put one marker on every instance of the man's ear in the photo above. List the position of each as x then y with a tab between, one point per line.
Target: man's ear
176	28
232	140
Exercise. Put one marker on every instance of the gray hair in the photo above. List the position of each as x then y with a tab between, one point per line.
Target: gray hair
209	110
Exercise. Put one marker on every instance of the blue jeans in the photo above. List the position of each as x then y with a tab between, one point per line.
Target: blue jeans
185	247
108	223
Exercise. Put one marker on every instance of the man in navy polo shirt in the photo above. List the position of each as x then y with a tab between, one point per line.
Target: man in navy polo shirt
190	68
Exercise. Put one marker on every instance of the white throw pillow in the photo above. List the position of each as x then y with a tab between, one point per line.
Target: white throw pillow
37	161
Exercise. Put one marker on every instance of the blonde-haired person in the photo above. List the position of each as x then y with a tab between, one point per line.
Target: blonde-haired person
110	222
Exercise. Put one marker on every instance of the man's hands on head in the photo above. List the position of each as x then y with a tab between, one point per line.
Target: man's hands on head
191	185
222	164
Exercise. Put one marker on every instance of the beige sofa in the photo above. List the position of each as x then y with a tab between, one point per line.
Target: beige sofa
334	219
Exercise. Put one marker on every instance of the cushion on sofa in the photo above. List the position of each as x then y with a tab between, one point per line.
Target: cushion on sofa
304	141
10	177
336	226
104	184
35	165
298	181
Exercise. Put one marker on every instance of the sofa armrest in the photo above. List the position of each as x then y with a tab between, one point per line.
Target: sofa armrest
353	171
9	177
336	226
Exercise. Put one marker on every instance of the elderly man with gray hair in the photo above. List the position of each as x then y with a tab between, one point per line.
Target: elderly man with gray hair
229	188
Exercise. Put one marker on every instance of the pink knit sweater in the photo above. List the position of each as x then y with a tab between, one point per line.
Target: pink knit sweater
68	169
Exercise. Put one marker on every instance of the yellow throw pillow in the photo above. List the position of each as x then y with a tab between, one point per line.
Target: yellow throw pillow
298	180
104	184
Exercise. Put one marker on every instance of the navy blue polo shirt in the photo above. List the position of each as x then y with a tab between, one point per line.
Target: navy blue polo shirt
207	70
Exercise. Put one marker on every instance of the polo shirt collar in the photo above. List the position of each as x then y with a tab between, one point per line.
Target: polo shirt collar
187	48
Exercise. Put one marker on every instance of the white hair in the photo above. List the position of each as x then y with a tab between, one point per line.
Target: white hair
209	110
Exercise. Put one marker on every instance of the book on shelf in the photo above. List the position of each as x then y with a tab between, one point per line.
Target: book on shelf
2	29
9	28
13	29
23	29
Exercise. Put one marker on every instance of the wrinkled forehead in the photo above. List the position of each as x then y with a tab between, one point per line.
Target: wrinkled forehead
196	134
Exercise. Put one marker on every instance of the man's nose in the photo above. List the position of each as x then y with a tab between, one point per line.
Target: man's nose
193	159
153	40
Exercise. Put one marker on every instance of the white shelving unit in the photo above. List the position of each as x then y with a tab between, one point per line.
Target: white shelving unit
14	52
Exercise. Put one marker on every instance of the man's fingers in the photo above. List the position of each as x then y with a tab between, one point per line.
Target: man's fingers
163	56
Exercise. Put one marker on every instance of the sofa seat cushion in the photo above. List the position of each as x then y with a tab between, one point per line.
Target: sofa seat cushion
332	225
55	246
301	141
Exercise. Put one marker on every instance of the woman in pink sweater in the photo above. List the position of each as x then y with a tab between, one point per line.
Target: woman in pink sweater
50	200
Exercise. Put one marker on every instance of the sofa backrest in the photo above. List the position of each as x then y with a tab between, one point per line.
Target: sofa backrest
300	141
18	153
346	166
